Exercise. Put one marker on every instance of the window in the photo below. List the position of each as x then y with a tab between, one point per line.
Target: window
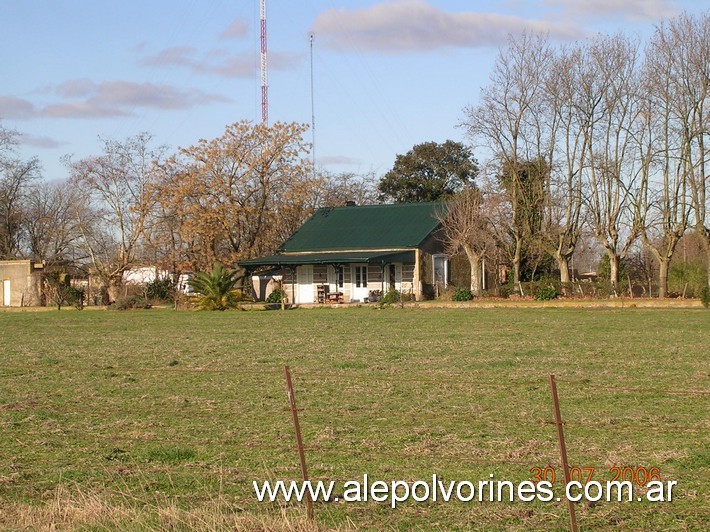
361	276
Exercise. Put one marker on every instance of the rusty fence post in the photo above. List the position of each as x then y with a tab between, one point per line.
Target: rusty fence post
563	451
299	440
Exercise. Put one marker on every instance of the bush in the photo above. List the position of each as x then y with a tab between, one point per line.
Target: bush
546	293
136	301
705	297
392	296
59	290
688	279
276	296
462	294
75	297
160	290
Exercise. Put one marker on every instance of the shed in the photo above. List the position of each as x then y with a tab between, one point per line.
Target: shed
21	283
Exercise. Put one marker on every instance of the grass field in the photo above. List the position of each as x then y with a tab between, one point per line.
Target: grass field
162	419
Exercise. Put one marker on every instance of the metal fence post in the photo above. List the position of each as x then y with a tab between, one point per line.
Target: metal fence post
563	451
299	441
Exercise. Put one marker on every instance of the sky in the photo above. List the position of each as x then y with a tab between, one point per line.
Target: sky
386	75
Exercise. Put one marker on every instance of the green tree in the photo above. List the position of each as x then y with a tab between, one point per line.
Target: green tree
523	186
216	289
429	172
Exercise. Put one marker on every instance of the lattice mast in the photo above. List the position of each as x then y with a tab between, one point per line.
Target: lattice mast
264	82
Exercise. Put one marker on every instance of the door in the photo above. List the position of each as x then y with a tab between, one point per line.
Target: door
305	284
6	292
441	271
394	276
359	290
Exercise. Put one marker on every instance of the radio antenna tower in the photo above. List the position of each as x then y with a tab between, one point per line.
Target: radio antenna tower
264	84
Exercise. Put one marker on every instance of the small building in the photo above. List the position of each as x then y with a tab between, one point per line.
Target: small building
143	275
21	283
355	253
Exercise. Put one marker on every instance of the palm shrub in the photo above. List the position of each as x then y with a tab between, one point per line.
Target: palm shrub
216	289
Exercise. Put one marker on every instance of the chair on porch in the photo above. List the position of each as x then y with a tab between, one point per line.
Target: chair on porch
323	291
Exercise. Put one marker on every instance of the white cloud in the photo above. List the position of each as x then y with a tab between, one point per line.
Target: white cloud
129	94
75	88
337	160
416	26
83	98
236	30
16	108
638	10
219	62
83	110
40	141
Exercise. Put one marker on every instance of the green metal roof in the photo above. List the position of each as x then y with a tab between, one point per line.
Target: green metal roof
370	257
402	225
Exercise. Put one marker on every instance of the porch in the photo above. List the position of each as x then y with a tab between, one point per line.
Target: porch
342	277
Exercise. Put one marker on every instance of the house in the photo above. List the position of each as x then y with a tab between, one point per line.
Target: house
352	253
21	283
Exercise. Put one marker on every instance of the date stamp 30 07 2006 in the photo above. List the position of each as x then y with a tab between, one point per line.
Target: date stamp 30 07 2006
637	475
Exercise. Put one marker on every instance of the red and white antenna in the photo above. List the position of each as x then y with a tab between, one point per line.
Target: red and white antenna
264	83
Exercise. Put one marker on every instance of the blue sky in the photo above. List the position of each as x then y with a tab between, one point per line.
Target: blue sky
387	74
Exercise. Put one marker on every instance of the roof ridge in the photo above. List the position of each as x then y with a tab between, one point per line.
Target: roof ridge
381	205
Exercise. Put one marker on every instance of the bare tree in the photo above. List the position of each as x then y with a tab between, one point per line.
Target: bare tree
16	177
115	185
339	189
51	229
611	88
665	153
467	228
508	121
529	119
684	42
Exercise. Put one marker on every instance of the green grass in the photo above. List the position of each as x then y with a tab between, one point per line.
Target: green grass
144	419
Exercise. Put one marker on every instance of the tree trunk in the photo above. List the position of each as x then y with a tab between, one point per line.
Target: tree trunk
707	255
114	288
663	277
613	269
516	261
474	260
563	265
